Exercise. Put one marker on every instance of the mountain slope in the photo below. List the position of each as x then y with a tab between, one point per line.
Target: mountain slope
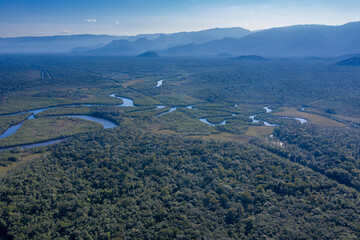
168	40
355	61
127	47
134	45
148	54
293	41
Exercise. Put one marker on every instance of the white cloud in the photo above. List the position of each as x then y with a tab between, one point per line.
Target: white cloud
66	32
93	20
117	22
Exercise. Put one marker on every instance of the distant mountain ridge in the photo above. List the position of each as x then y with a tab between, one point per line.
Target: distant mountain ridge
299	41
355	61
293	41
250	58
127	47
124	47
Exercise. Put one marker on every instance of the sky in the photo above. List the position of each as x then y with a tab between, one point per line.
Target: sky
131	17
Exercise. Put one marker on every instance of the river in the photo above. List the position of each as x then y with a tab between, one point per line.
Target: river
106	123
160	82
211	124
268	110
171	110
35	144
127	102
301	120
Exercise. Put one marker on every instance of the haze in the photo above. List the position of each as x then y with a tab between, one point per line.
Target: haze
118	17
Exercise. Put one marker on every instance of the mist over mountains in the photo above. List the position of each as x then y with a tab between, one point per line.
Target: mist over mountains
293	41
164	41
54	44
300	41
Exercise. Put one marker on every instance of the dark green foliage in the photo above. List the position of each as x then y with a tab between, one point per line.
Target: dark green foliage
281	83
332	152
126	184
330	111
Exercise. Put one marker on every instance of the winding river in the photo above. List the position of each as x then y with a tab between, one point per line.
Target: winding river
211	124
268	110
301	120
35	144
171	110
252	117
11	130
160	82
106	123
254	120
127	102
269	124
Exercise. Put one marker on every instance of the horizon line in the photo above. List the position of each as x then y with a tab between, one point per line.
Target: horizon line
168	33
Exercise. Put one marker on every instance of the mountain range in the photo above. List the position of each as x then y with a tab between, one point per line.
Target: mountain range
118	45
164	41
293	41
299	41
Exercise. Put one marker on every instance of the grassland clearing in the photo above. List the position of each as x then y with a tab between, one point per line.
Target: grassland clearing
43	129
312	118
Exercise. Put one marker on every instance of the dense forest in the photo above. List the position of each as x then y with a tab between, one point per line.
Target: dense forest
126	184
332	152
327	87
216	151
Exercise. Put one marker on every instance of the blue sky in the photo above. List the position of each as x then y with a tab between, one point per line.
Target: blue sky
120	17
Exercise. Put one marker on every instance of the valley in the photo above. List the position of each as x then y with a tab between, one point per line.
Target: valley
178	147
179	120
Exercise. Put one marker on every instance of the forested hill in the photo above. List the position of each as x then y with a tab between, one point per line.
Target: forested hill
125	184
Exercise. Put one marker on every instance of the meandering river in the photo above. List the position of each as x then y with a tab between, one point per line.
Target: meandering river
268	110
127	102
171	110
35	144
211	124
160	82
106	123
